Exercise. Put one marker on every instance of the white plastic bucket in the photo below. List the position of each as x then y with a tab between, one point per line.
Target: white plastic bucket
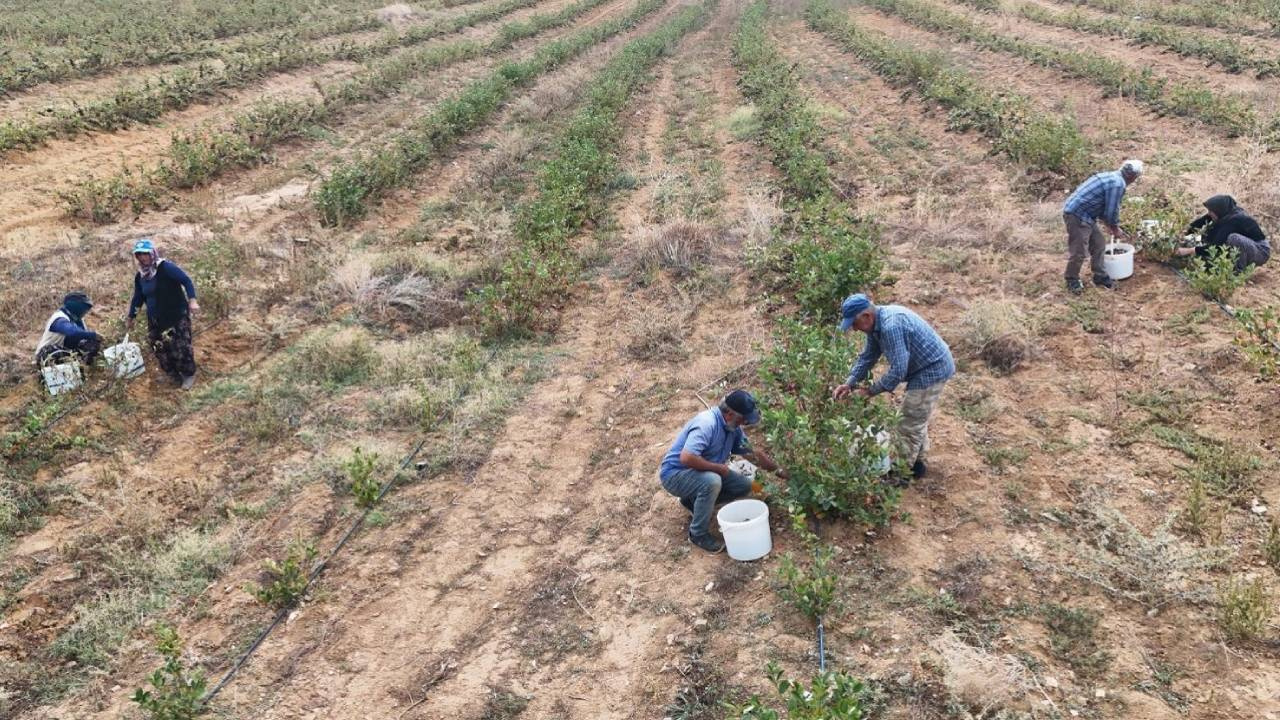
1117	260
745	526
125	358
61	377
881	466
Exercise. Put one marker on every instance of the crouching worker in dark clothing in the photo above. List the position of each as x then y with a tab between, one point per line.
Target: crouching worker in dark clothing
694	469
170	297
1228	225
65	334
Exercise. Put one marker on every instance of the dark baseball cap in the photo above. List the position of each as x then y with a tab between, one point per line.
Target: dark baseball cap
742	402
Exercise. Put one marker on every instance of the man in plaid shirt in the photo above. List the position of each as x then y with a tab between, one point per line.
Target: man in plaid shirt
917	355
1096	200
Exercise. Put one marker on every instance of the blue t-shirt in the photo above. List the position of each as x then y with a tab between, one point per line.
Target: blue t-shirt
706	436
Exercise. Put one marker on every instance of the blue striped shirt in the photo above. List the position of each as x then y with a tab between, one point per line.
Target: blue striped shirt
1098	198
916	353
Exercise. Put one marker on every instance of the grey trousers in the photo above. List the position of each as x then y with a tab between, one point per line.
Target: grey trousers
1083	239
913	431
1252	252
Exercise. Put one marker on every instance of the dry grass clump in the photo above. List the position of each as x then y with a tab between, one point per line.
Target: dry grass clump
680	248
1000	333
399	292
1152	568
509	152
650	338
978	678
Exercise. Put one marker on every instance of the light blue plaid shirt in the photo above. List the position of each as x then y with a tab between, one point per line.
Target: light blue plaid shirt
915	351
1098	198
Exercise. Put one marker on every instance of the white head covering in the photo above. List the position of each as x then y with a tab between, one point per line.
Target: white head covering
1132	167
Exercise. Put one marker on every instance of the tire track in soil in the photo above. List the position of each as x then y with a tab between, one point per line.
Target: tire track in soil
29	205
968	516
530	527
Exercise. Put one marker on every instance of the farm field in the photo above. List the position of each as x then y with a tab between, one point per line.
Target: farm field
465	268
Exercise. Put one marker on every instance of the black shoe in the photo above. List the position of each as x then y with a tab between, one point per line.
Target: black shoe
687	503
919	469
1074	286
707	542
1104	281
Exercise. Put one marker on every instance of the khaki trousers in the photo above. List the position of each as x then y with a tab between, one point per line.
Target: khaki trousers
913	431
1083	239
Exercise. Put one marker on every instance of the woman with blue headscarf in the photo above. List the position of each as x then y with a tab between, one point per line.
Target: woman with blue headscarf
65	334
170	298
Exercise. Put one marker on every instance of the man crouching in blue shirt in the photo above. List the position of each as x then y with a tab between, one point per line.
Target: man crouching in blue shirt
694	469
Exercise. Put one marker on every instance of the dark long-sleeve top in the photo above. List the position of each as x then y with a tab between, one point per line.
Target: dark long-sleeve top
1217	232
165	294
72	332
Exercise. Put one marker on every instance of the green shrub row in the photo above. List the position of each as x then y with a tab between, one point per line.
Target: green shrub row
1229	113
1223	16
346	194
198	156
825	252
161	22
186	86
542	265
1015	126
1225	53
56	64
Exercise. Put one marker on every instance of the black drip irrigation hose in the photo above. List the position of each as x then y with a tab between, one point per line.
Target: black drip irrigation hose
320	567
822	646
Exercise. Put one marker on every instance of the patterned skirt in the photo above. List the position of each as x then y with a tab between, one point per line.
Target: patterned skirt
172	346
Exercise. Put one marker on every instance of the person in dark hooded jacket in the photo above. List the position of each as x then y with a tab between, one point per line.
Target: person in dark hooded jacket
1228	225
65	334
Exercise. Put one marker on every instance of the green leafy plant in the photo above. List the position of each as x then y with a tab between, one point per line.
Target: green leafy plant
364	486
1259	338
176	690
828	446
812	589
1072	639
830	695
1215	276
286	580
1196	514
1157	220
1244	607
1271	545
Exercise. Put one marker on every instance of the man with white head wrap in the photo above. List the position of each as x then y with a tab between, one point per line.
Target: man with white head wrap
1096	200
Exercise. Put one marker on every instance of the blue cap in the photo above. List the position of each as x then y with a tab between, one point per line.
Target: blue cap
850	308
741	402
144	246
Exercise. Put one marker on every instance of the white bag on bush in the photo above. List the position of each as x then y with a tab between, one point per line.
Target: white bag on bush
61	377
125	358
